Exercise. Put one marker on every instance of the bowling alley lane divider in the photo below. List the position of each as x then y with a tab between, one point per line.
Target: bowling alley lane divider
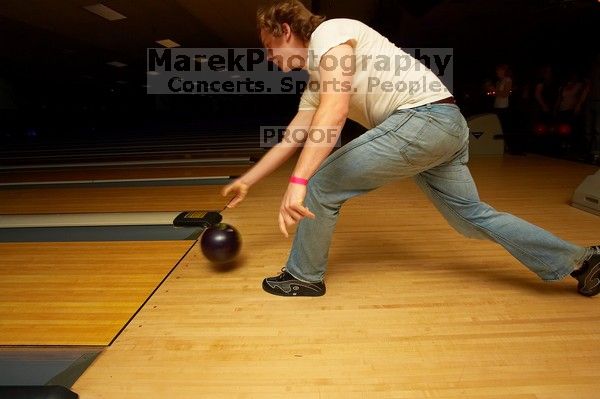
163	162
80	227
154	182
88	219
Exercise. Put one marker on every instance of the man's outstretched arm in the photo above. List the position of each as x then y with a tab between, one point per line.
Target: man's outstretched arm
327	124
294	137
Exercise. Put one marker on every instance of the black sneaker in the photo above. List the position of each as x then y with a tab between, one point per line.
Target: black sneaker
286	285
588	275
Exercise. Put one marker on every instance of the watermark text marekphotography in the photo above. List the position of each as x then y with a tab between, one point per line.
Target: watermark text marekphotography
250	71
297	136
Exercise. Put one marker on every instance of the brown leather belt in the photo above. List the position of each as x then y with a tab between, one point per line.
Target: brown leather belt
447	100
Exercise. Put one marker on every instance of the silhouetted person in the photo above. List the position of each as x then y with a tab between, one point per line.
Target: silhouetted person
545	94
503	109
592	124
571	96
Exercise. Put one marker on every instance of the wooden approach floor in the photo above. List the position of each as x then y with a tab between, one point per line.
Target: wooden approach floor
413	309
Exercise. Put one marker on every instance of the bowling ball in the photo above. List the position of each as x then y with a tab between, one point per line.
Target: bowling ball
221	243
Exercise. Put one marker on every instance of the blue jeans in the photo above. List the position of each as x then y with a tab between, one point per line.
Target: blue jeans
429	143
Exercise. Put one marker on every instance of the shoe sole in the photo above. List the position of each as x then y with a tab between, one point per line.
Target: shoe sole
294	288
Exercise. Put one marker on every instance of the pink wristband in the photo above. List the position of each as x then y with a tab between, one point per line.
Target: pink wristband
298	180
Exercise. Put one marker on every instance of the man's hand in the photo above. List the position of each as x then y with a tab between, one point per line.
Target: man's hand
239	188
292	209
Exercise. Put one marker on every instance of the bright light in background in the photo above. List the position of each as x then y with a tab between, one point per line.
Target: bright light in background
168	43
117	64
105	12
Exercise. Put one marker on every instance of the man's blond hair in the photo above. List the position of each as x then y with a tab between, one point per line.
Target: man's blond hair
302	22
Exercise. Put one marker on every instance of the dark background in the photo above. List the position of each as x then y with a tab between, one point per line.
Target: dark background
55	83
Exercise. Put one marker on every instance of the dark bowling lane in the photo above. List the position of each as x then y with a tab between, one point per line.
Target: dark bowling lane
128	171
180	181
174	146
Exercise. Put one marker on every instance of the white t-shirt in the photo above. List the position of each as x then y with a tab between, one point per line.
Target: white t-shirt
386	78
